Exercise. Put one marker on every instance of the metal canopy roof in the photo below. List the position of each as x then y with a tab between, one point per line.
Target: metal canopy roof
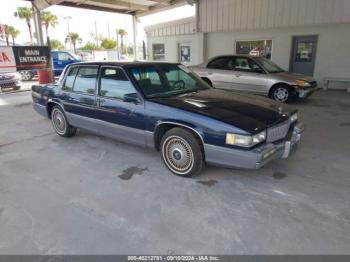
132	7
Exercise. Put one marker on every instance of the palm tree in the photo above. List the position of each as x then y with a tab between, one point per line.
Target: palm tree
7	34
13	33
48	19
122	33
26	14
74	38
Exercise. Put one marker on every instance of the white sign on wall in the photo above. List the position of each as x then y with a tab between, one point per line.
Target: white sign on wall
7	60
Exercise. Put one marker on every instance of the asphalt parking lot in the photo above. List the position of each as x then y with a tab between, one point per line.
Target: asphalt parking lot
92	195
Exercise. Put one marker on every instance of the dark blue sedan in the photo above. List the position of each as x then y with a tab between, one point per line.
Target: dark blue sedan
167	107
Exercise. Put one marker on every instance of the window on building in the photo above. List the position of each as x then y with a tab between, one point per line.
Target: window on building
262	48
304	52
158	52
115	84
85	80
185	53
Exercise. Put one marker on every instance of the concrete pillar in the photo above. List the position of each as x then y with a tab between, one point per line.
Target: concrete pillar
134	34
38	24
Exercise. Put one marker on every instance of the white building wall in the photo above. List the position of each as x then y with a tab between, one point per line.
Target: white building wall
171	44
227	15
223	22
332	56
178	27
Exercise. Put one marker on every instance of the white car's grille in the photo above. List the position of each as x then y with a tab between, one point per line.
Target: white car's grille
277	132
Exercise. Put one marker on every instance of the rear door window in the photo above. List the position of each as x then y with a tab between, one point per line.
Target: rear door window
85	81
225	63
69	82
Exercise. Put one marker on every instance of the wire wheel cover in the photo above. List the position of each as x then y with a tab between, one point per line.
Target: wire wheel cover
59	122
178	154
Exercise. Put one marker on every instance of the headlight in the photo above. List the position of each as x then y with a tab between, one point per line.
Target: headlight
302	83
293	117
245	141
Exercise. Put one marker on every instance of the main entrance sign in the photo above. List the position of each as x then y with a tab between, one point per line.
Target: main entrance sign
7	60
24	58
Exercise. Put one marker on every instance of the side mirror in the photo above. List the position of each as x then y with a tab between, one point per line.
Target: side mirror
131	98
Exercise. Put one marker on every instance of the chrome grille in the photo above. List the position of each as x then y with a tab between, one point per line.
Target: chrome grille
277	132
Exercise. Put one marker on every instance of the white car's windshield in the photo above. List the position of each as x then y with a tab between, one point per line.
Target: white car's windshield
166	80
268	65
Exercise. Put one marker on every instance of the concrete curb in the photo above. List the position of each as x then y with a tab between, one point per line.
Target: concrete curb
16	91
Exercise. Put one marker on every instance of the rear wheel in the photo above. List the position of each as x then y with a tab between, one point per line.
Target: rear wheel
60	123
281	93
181	152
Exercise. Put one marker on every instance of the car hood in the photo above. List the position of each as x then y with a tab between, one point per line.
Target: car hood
248	112
294	76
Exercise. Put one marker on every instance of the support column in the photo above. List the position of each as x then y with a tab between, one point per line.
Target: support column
134	34
38	24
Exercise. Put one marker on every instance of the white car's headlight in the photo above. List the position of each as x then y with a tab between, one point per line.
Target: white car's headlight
302	83
293	117
245	141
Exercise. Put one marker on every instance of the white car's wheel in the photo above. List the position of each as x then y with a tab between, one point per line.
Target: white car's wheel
26	75
281	93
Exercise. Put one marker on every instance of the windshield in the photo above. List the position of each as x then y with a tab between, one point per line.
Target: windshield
166	80
268	65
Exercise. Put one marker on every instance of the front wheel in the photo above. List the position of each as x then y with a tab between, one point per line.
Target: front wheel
60	123
281	93
26	75
181	152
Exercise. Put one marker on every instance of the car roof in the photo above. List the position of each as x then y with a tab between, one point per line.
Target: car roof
125	63
248	56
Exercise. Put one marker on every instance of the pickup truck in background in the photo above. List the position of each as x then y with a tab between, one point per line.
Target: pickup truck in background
60	60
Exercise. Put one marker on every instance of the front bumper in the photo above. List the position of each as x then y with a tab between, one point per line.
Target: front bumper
256	158
12	83
303	93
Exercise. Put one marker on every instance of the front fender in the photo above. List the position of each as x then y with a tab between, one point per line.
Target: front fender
158	130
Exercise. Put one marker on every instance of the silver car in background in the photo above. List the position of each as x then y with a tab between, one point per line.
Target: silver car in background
256	75
10	80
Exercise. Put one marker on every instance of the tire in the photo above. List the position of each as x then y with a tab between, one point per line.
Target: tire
60	123
207	81
26	75
281	93
181	152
